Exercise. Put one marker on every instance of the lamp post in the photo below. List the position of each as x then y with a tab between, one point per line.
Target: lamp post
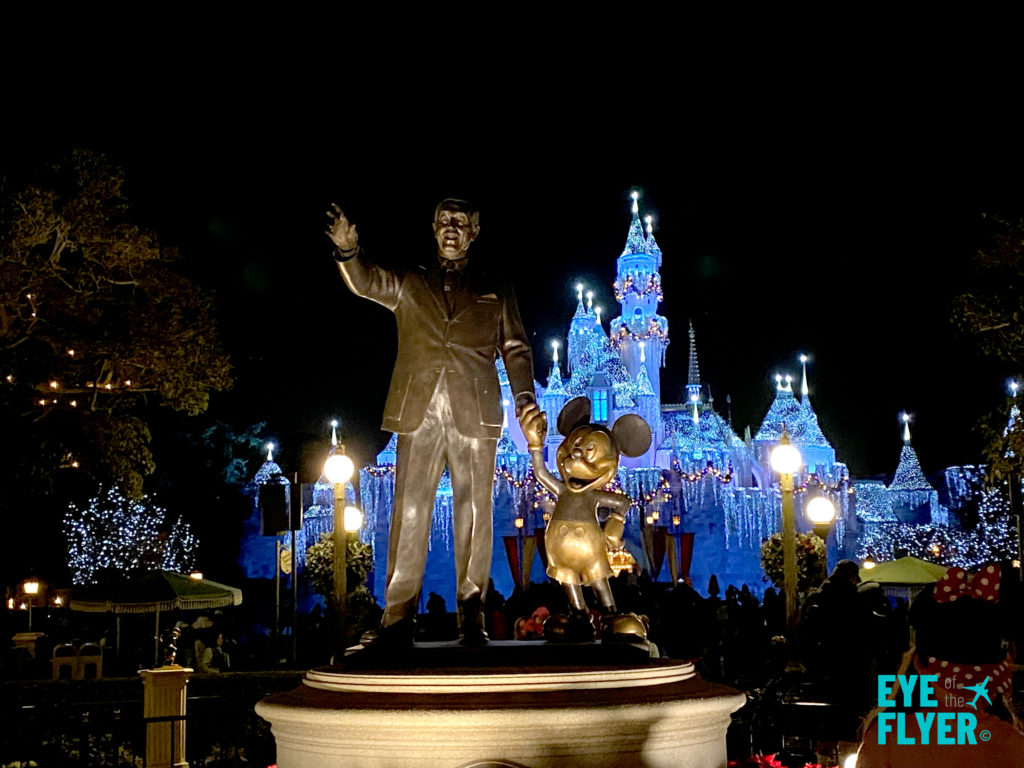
338	469
786	460
520	523
31	588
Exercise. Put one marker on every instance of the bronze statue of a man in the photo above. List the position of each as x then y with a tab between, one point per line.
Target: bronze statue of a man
454	319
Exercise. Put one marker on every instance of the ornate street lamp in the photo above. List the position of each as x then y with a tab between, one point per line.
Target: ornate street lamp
821	512
338	470
30	587
786	460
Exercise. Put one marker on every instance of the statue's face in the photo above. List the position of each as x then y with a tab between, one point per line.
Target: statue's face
454	231
587	459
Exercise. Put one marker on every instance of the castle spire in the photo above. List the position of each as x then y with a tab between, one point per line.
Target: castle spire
694	373
635	240
652	244
581	311
555	386
811	434
909	476
693	388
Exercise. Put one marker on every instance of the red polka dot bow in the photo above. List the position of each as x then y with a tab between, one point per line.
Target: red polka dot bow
956	583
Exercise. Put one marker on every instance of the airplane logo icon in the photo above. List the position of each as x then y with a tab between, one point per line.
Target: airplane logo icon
979	690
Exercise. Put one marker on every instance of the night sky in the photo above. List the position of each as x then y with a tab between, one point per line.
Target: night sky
834	217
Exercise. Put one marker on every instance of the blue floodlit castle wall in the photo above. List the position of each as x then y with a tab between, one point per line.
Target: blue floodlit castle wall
698	477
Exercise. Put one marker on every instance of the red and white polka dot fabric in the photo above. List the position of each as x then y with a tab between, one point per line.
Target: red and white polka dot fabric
983	585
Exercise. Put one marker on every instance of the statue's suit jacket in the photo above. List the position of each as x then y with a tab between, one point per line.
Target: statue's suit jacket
485	323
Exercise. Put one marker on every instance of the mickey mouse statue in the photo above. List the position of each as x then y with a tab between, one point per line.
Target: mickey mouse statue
577	546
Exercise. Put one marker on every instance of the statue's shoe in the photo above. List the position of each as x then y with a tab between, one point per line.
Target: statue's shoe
574	628
394	636
473	635
623	628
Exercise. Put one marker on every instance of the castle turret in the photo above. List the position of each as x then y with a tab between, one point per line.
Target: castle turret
693	393
638	291
585	333
818	454
784	412
552	401
914	500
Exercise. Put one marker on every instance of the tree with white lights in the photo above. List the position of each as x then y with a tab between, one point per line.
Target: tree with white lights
118	535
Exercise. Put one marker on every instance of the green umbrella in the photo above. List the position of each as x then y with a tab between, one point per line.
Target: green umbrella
155	592
905	571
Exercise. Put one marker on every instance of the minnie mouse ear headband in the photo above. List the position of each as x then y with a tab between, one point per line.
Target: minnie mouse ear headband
630	433
960	619
956	583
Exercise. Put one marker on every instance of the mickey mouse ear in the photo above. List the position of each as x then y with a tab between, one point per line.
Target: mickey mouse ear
575	413
632	435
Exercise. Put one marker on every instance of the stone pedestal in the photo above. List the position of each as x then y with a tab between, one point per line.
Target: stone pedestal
528	708
164	697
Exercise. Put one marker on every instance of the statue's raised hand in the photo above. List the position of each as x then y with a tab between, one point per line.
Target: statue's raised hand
342	233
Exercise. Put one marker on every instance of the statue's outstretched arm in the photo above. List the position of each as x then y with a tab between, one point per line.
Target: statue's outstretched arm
515	350
363	278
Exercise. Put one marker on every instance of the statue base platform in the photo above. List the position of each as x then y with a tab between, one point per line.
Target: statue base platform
530	704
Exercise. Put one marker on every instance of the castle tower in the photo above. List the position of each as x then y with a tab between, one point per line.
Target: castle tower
552	401
785	410
693	388
914	500
819	455
638	291
584	333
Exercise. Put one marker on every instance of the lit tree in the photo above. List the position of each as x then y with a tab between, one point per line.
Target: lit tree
97	323
361	607
810	560
113	533
992	312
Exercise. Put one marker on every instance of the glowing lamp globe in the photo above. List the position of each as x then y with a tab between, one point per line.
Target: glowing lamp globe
868	563
338	468
31	587
353	519
820	510
785	459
